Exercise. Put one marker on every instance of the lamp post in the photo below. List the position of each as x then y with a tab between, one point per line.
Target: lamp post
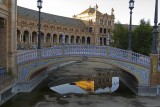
131	6
155	30
39	5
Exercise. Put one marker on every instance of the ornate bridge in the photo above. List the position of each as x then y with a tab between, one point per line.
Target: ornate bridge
138	65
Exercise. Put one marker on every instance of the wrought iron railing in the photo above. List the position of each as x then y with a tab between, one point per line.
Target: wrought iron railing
85	50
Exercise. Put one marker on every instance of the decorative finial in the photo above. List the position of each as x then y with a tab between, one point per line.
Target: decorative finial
96	6
112	11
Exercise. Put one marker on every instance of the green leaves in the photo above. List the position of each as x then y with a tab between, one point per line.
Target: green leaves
120	36
142	38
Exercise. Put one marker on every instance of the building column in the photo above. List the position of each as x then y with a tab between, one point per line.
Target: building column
12	37
21	36
31	38
30	33
63	39
98	41
37	38
102	41
52	40
108	40
85	41
57	39
69	39
74	40
44	40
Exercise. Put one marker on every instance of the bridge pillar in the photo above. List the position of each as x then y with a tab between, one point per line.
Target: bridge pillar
154	80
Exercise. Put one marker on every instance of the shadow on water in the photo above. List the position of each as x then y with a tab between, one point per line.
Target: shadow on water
123	91
56	88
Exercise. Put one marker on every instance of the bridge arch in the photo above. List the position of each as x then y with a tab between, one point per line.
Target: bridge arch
136	64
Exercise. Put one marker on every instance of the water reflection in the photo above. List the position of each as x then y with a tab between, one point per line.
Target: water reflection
100	83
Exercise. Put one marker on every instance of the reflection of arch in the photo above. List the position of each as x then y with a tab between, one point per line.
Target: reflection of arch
26	36
18	36
60	38
88	40
77	39
72	39
54	39
83	40
34	37
66	39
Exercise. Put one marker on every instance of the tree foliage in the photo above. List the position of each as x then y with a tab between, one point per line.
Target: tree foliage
120	36
142	38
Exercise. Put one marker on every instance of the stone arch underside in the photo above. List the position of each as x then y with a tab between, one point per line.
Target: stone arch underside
139	72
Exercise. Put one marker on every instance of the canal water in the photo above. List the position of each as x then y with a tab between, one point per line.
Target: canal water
55	88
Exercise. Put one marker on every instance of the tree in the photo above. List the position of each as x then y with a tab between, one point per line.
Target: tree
142	38
120	36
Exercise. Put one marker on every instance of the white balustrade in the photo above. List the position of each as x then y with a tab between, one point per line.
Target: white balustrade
85	50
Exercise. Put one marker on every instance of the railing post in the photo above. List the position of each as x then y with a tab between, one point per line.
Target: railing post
63	49
154	81
129	55
39	53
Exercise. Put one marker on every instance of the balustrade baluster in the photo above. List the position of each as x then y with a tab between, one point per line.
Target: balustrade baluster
84	51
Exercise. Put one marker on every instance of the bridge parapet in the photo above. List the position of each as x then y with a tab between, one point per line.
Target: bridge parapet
85	50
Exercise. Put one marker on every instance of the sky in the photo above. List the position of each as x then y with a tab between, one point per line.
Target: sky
68	8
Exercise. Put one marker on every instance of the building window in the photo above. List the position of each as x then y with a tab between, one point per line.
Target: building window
109	30
105	31
109	23
100	30
101	22
90	29
2	22
105	22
